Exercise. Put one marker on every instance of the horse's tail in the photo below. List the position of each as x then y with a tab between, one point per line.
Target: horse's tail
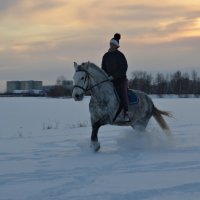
157	114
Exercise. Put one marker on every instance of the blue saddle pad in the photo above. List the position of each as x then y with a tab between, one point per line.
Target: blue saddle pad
132	97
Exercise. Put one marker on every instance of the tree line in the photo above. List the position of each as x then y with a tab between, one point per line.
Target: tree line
181	84
178	83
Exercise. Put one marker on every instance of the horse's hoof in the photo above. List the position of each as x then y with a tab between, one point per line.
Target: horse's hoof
95	145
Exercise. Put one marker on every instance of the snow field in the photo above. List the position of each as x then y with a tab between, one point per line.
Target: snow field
45	154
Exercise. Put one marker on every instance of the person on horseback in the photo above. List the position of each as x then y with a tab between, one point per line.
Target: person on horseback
114	63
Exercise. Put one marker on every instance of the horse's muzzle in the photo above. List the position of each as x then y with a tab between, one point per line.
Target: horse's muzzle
78	97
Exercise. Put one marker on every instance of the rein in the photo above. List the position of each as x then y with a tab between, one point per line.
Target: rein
87	76
99	83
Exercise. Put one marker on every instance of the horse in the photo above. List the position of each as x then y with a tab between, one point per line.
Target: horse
104	103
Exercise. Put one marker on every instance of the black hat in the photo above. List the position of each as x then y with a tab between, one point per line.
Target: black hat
116	39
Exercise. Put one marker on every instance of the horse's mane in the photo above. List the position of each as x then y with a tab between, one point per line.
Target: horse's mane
95	67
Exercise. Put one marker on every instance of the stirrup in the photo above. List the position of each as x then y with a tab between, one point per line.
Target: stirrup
126	117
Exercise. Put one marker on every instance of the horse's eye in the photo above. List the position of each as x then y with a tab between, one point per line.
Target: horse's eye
82	78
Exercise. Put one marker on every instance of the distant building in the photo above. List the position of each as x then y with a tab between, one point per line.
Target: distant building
31	85
12	86
67	84
23	86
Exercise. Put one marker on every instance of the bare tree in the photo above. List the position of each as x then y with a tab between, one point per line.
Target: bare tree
60	80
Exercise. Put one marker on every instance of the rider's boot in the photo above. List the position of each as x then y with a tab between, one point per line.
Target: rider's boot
126	117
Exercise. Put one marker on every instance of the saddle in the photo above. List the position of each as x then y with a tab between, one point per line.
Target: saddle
132	97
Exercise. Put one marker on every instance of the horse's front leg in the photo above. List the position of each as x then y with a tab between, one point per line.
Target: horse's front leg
94	137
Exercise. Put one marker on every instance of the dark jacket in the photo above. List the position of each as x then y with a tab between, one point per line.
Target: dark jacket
114	64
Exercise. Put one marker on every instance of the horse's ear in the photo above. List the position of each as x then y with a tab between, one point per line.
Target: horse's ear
75	66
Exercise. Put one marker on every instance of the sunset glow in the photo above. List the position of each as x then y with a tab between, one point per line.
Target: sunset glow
54	33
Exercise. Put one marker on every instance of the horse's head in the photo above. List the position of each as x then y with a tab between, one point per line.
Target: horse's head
81	81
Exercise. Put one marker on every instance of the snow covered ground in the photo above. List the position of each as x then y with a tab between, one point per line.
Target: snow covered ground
45	154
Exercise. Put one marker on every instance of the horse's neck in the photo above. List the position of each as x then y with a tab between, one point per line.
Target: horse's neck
97	76
103	91
103	102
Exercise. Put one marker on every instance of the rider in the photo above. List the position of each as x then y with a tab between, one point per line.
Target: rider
115	65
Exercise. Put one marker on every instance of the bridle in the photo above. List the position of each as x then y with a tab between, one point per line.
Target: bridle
87	79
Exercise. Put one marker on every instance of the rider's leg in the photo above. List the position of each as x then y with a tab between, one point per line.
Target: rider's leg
125	95
121	87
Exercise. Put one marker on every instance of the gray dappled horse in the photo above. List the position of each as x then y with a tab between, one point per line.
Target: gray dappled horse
104	102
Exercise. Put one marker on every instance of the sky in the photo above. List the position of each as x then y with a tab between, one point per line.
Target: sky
40	40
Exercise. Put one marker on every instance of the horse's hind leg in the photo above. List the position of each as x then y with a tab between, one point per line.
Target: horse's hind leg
94	137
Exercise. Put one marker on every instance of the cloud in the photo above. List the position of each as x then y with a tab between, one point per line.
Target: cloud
145	22
142	12
8	4
180	54
46	5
